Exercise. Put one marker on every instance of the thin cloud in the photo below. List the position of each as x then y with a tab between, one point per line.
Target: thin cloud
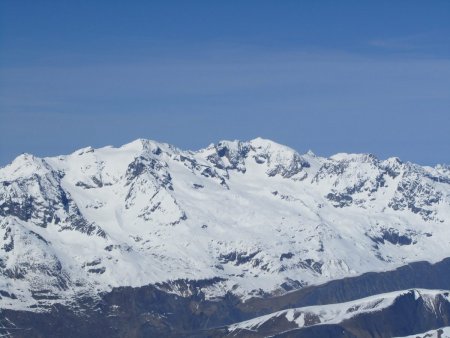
410	42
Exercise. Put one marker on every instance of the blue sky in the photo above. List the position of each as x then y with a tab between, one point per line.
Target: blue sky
330	76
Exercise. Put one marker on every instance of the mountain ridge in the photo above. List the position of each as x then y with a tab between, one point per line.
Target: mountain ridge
255	218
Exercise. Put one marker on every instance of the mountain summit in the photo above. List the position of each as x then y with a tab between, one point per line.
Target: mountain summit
249	218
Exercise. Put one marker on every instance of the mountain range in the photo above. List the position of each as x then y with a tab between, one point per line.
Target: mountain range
236	239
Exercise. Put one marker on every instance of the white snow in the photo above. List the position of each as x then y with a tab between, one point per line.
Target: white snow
334	313
257	217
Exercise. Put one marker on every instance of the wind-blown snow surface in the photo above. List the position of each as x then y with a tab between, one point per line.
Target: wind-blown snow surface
257	215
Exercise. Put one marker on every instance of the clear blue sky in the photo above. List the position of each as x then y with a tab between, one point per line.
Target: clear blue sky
330	76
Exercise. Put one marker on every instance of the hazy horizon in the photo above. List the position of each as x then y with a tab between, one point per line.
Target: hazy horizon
331	77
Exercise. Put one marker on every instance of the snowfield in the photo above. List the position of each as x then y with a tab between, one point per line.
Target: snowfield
252	217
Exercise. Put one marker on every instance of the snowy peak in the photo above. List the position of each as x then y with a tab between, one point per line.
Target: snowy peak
256	217
25	165
236	155
281	160
141	146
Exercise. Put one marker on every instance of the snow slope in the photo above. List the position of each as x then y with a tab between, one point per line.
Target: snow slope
256	216
337	313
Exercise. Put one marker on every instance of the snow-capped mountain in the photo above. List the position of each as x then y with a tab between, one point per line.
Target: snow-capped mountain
251	218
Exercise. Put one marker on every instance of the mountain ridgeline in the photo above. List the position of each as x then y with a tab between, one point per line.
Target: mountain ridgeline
147	239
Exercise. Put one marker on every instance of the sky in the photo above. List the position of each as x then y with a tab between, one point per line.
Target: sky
327	76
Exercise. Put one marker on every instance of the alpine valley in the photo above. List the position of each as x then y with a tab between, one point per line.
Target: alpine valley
240	239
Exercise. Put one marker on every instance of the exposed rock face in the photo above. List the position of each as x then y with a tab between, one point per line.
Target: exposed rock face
252	218
39	198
